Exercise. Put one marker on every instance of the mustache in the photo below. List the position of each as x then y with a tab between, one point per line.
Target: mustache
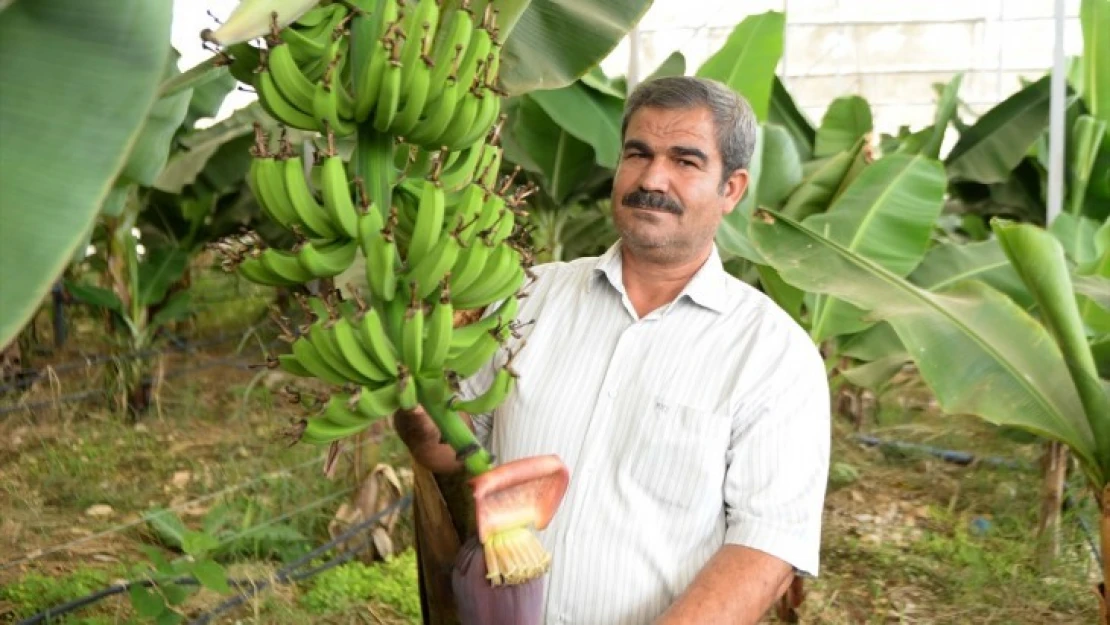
648	199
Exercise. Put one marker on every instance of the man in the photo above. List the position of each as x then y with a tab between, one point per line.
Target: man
692	412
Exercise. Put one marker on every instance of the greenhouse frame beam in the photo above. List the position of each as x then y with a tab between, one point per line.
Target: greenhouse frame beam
1056	135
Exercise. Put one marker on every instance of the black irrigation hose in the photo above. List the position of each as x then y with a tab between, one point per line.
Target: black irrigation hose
73	397
115	589
964	458
284	575
955	457
180	345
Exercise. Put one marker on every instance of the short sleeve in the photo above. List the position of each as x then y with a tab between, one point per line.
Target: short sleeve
778	458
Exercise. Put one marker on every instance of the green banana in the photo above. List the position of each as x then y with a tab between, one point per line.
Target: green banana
462	170
288	77
503	275
328	259
389	91
311	215
320	431
376	341
351	348
369	72
440	324
338	412
290	364
285	265
430	271
412	337
468	362
252	269
308	356
429	223
498	391
335	188
469	265
379	402
322	337
464	337
265	181
381	260
273	101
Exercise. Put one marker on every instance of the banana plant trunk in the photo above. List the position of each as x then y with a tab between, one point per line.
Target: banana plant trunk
441	504
1055	466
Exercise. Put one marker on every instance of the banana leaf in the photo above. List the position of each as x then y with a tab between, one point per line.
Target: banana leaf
950	263
673	65
784	112
1094	19
877	341
946	110
1039	259
78	80
1094	288
875	374
846	120
598	81
780	166
819	187
1077	235
886	215
732	231
201	147
1001	138
961	338
747	60
588	115
562	159
1100	350
1087	135
551	43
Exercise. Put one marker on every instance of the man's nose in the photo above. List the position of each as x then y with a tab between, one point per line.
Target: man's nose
654	176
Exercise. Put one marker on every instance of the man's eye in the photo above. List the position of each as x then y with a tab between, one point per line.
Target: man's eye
687	163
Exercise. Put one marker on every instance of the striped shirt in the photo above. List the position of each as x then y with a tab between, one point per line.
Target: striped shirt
705	422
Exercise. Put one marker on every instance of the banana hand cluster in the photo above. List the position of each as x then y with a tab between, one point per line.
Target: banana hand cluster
408	69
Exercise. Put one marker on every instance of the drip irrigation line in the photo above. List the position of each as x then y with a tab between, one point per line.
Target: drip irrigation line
181	506
956	457
965	458
288	573
179	345
237	363
248	587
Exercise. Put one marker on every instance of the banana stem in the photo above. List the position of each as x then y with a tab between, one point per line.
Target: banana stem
455	433
373	162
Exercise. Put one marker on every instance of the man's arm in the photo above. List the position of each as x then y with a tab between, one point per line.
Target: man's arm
736	587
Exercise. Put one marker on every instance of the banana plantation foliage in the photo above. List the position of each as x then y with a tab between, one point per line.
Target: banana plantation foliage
416	160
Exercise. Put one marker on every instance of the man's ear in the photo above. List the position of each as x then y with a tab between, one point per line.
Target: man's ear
734	187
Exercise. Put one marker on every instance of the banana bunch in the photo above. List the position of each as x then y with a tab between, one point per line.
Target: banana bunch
326	222
410	70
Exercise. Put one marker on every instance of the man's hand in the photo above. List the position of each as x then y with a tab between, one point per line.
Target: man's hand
736	587
420	434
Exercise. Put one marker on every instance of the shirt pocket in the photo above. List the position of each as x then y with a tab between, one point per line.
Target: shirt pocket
677	452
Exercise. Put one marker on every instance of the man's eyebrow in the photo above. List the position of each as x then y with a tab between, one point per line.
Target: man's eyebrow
636	144
682	150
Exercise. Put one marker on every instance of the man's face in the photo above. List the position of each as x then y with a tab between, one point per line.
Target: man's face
668	197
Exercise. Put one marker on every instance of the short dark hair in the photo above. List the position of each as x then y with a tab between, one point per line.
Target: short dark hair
733	116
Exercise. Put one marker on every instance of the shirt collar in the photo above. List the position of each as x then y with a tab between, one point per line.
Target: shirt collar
708	287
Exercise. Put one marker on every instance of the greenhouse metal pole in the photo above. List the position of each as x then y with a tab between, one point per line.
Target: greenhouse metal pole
633	58
1056	136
